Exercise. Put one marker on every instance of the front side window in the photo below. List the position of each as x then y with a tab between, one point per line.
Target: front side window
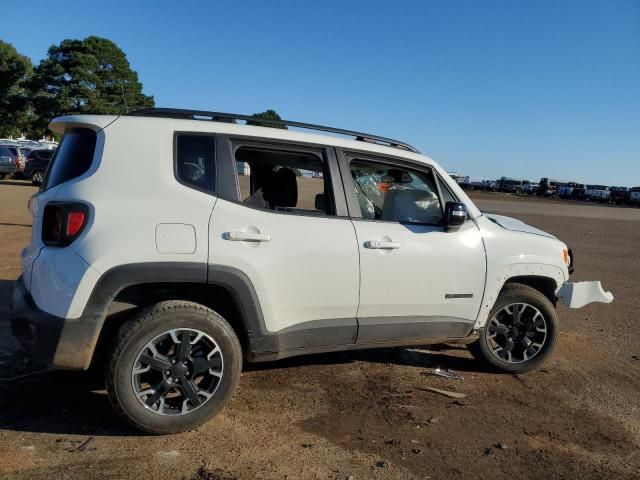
286	181
395	194
195	161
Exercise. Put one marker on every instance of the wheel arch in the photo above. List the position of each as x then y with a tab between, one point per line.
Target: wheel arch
542	277
127	288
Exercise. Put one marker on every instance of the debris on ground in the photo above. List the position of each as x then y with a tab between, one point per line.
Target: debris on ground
501	446
84	445
446	393
382	464
446	373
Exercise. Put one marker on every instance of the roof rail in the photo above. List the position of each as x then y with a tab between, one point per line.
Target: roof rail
231	117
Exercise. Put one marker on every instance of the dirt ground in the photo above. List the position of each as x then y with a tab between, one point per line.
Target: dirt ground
364	414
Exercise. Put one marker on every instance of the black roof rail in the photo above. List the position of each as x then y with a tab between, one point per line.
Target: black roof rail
231	117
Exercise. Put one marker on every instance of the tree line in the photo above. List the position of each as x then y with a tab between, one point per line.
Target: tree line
90	76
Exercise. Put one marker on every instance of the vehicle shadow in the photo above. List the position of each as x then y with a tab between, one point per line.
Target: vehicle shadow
454	357
76	402
35	400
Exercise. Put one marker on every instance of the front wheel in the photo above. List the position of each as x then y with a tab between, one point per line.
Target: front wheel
173	367
521	331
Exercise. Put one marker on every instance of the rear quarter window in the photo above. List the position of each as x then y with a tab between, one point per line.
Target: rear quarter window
72	158
195	161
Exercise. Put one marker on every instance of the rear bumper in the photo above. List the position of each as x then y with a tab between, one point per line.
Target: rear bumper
63	343
38	331
579	294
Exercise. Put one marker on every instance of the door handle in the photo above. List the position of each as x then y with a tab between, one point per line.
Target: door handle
378	245
246	237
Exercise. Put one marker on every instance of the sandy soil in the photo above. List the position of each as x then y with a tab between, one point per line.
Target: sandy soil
365	414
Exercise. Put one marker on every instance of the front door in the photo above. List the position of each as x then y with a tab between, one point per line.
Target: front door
417	281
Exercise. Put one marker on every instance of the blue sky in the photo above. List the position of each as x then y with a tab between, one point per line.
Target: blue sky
488	88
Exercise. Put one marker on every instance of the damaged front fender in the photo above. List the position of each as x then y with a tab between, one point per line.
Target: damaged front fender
579	294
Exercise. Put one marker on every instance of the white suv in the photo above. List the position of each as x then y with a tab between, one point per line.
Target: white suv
180	243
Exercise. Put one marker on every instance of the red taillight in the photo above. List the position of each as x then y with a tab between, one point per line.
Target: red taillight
75	221
62	222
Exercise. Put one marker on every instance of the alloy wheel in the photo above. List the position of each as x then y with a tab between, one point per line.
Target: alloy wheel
516	333
177	372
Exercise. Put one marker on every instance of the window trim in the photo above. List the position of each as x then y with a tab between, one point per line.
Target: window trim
184	183
326	155
345	157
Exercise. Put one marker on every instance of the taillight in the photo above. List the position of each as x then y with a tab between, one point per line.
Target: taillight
63	222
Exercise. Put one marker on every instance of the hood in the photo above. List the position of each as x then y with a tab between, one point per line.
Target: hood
516	225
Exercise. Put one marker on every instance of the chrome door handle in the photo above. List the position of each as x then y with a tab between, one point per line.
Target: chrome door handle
246	237
378	245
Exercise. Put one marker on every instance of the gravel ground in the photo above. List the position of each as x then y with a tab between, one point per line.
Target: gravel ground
365	414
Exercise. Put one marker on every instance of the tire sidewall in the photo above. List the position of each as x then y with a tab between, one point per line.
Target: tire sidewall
159	322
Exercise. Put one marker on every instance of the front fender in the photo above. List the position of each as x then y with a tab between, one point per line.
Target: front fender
494	286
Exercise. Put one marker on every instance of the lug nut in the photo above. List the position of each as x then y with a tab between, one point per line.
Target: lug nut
167	373
173	361
177	380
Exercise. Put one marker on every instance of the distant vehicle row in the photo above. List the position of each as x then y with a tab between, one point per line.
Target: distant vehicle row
548	187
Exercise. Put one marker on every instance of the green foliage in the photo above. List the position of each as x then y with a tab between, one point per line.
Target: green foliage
269	114
14	99
90	76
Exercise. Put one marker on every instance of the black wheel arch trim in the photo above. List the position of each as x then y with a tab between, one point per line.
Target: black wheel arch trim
76	342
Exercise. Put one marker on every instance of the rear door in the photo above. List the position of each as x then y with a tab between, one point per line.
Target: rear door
288	232
417	280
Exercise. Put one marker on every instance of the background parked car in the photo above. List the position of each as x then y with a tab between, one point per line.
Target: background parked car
620	195
597	193
548	187
634	196
37	163
512	185
578	191
565	190
11	160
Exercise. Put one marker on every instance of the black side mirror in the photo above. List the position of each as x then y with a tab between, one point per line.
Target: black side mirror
455	214
320	203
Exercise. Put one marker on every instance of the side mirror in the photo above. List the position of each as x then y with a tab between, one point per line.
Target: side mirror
320	203
455	214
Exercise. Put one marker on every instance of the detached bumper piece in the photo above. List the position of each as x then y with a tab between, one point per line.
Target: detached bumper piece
579	294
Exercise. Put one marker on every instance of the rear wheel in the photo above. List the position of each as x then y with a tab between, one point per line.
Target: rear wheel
173	367
521	331
37	176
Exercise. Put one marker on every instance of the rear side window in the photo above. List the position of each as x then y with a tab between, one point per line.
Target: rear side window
195	161
73	157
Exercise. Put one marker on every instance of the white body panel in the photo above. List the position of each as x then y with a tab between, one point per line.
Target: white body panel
307	270
414	278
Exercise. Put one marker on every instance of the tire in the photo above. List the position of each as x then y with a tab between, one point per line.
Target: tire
214	358
486	348
37	176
